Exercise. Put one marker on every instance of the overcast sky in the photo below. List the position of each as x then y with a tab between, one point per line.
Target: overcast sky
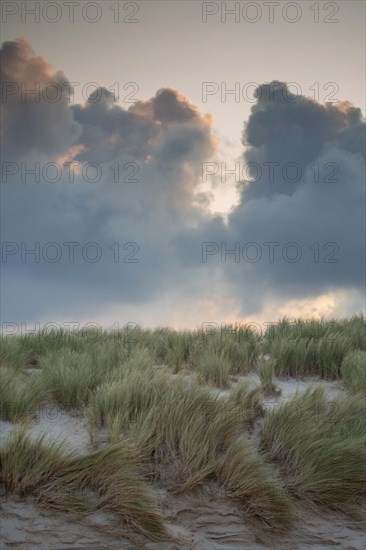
144	107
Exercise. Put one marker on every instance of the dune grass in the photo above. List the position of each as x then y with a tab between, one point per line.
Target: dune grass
139	358
27	465
239	345
266	372
178	425
353	371
305	357
178	346
249	401
252	482
14	354
70	376
56	478
115	475
214	368
314	329
303	348
119	401
183	450
21	396
173	430
106	356
320	445
20	351
241	355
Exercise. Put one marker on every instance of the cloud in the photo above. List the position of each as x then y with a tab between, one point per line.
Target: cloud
33	123
285	130
167	106
161	146
162	142
288	241
322	212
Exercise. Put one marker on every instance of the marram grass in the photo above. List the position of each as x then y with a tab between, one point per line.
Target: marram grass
115	475
320	445
70	376
27	465
180	428
214	368
173	429
21	395
303	348
254	484
248	399
56	478
266	371
353	371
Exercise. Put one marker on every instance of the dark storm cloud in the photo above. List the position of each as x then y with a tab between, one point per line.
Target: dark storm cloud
285	129
328	214
168	139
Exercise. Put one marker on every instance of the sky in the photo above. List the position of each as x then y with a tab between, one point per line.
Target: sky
217	156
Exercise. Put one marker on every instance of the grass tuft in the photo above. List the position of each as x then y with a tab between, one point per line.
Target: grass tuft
27	465
214	368
320	444
266	373
248	479
70	376
21	395
110	479
353	371
249	400
178	426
